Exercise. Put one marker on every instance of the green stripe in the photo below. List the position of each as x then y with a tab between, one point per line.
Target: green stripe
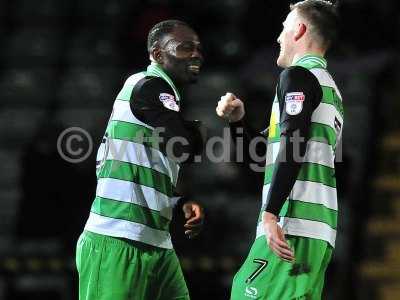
329	96
138	174
322	133
319	133
306	211
269	170
273	140
308	172
125	93
129	212
317	173
309	64
317	59
133	133
311	211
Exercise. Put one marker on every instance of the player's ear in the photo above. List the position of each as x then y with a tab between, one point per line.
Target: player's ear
156	54
301	30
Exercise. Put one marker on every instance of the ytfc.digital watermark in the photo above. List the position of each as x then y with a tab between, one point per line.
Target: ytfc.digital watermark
75	145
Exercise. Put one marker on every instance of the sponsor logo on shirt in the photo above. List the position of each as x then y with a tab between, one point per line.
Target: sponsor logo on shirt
294	102
168	101
251	292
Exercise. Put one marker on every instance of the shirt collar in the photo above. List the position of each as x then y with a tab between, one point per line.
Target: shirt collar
312	61
155	69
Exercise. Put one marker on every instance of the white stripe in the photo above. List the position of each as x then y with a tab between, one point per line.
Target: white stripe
275	105
260	229
325	114
319	153
129	230
265	192
132	80
132	192
325	79
122	112
174	200
305	228
314	192
272	153
310	192
138	154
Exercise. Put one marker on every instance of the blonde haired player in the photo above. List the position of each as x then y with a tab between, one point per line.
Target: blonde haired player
297	225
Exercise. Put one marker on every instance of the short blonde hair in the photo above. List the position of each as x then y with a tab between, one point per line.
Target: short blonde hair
323	16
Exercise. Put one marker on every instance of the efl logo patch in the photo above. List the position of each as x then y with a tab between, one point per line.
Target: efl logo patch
294	102
168	101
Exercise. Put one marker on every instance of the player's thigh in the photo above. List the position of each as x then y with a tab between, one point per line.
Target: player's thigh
86	264
171	284
265	276
318	280
110	269
259	274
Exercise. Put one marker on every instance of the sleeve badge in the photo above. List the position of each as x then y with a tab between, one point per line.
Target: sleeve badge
294	103
168	101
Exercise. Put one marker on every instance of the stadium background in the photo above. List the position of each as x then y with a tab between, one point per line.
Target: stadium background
62	64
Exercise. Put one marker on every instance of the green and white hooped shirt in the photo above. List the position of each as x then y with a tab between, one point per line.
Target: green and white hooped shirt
311	208
134	195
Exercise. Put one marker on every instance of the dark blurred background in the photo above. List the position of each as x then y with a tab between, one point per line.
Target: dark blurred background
62	62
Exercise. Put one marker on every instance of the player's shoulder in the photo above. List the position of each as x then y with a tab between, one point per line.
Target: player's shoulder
149	88
297	76
296	73
155	90
151	84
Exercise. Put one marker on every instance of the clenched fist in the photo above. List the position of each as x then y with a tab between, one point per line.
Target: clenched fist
230	108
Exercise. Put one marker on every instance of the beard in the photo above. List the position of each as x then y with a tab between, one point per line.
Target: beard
181	69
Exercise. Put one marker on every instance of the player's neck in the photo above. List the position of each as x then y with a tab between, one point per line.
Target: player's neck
308	51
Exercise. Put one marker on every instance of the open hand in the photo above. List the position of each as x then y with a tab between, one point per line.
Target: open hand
276	238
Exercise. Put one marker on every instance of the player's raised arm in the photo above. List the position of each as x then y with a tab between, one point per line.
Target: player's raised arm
232	109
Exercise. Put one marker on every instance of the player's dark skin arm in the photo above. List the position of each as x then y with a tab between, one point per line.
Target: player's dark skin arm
295	130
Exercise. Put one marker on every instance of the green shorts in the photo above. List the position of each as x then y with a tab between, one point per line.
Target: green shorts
117	269
265	276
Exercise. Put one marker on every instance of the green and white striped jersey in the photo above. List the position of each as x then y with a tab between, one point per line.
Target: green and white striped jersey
311	208
134	195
